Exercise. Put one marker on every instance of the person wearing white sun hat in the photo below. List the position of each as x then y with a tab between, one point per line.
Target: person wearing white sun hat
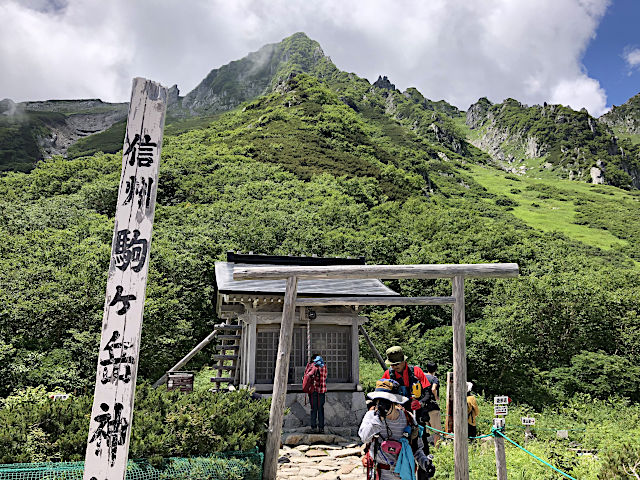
394	446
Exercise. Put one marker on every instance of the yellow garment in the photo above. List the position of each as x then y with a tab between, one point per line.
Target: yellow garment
472	409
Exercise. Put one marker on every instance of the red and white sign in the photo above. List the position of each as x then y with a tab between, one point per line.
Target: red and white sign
500	409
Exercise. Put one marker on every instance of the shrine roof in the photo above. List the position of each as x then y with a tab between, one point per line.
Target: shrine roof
311	287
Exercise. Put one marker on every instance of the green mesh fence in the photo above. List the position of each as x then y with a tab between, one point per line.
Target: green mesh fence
220	466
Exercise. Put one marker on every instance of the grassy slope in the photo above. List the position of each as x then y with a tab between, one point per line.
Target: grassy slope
556	211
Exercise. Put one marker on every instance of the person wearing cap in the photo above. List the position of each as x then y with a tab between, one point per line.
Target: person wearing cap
413	384
317	396
394	445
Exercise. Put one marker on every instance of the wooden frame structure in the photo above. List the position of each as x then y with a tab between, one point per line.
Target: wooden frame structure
456	272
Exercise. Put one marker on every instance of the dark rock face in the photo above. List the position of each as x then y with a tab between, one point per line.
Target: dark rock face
173	96
383	82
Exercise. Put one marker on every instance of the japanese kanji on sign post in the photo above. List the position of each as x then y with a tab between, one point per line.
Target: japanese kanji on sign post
110	424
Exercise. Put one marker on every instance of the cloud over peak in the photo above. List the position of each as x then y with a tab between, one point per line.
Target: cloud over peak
454	50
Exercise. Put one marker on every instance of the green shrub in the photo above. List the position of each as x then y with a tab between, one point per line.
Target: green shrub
36	428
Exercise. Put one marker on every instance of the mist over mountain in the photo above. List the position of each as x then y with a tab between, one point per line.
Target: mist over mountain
517	138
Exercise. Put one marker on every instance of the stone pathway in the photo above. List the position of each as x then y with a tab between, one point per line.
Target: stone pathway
321	462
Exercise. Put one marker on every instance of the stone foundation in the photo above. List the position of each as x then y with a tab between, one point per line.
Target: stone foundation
343	412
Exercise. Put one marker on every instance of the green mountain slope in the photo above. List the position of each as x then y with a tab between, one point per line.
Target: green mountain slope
553	141
32	131
299	171
624	120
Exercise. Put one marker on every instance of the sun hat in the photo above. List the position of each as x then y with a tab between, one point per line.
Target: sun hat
388	389
395	355
469	386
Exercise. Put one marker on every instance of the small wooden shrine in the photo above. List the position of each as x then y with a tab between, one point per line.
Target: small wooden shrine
330	331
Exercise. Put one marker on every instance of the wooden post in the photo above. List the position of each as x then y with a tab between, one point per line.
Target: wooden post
460	426
375	351
110	422
501	459
449	421
280	379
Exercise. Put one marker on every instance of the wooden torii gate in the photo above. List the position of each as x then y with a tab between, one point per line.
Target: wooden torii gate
293	273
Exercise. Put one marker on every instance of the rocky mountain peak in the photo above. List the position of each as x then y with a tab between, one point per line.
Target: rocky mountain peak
477	113
258	73
383	82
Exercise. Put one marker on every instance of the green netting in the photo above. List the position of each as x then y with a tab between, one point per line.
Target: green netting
220	466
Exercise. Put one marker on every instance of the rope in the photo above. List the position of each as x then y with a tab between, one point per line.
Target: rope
452	435
534	456
539	428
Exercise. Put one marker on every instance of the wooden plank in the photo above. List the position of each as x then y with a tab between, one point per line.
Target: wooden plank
373	348
186	358
226	326
501	459
378	271
449	421
251	357
320	301
224	357
111	415
460	425
355	352
281	374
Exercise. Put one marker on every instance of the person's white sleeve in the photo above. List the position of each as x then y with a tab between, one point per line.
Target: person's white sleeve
370	426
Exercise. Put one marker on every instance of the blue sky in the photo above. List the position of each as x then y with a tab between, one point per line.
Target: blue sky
581	53
617	34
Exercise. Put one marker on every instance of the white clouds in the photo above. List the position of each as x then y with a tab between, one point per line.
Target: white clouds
632	57
581	92
458	50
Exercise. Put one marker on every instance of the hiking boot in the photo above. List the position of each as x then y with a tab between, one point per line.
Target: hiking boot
321	430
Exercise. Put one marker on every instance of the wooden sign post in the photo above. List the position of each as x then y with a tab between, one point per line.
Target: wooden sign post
449	423
111	415
501	459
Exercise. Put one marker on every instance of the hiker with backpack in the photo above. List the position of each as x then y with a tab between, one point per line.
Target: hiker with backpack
414	385
472	411
432	408
314	383
394	447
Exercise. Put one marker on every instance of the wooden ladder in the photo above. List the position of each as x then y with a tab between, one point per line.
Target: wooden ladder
228	336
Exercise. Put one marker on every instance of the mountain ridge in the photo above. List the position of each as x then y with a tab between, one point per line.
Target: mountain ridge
485	133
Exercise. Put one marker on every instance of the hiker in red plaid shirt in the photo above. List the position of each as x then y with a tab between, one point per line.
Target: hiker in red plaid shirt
317	396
